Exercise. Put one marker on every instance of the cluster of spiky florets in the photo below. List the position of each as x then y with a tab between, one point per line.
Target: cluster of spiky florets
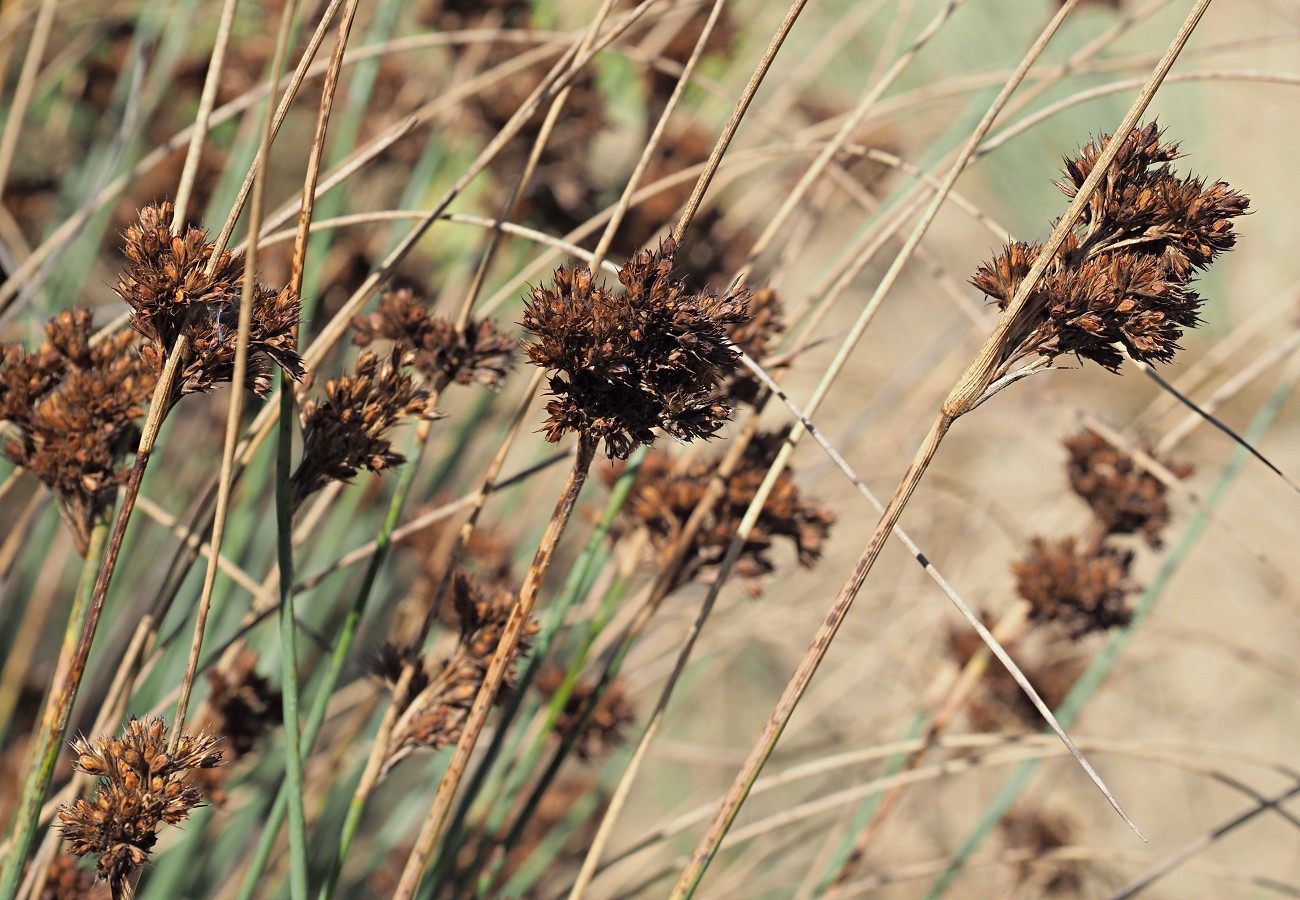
440	695
1084	583
141	787
596	731
648	356
662	500
1123	276
74	401
172	292
348	430
437	350
756	337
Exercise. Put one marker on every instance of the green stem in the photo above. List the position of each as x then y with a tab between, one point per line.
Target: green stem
27	818
293	781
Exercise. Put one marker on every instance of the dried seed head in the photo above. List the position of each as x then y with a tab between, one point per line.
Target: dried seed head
348	430
242	707
482	354
755	336
603	731
141	786
435	715
1050	662
650	356
1080	590
1036	834
1123	277
1124	498
74	404
171	293
663	500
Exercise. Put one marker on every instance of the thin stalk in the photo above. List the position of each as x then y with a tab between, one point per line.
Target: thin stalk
433	823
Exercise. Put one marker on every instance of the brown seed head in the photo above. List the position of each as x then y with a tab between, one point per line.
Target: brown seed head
1123	277
348	430
170	293
1125	498
1080	590
663	500
650	356
74	406
141	786
603	731
482	354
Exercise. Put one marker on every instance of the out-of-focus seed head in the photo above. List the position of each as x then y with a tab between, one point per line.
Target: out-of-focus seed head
74	403
662	501
649	356
167	285
605	724
1083	590
141	786
443	355
1124	498
347	431
242	707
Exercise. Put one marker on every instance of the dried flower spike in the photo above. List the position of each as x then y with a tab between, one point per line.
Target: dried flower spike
141	786
438	351
74	404
603	730
348	430
1123	277
649	356
171	293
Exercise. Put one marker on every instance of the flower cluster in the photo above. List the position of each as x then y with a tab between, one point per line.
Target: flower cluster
1123	277
440	695
1084	583
348	430
141	786
242	707
648	356
662	500
172	293
443	355
602	727
74	401
756	337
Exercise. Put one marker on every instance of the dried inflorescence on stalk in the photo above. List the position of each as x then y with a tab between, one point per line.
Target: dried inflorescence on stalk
603	729
1050	660
1082	588
1084	584
74	403
1123	276
171	293
65	880
1124	498
347	431
141	787
440	695
437	350
662	500
242	707
648	356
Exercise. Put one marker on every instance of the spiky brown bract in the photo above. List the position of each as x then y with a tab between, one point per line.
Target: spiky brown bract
1123	276
74	404
141	786
348	430
170	293
649	356
443	355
